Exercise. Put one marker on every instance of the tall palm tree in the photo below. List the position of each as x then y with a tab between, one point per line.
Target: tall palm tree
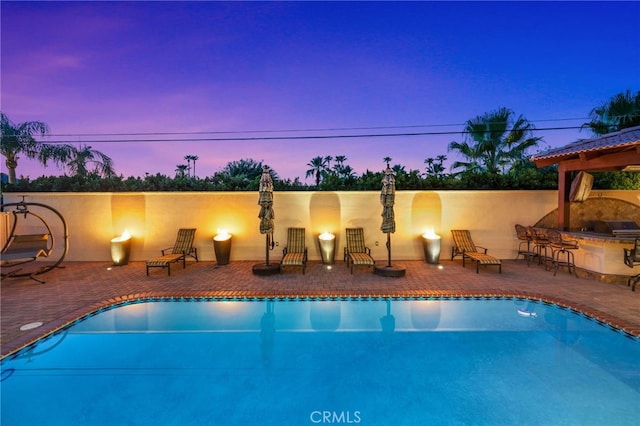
387	160
620	112
318	166
189	159
79	159
494	141
19	139
328	160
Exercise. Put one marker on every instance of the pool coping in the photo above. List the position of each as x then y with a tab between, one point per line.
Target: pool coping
21	343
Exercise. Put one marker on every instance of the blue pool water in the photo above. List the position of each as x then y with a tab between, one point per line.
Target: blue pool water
376	362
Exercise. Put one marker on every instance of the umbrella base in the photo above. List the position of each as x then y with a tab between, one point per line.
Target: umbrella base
389	271
263	269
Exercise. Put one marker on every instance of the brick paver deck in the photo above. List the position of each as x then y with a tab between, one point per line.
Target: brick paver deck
82	287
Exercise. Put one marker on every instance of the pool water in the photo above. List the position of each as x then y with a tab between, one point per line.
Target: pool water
374	362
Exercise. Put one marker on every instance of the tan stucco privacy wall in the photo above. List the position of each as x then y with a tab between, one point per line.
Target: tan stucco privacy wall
152	218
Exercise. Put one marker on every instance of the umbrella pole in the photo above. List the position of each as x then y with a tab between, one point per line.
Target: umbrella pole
389	247
267	250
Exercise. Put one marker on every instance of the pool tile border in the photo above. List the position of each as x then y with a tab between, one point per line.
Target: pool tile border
53	327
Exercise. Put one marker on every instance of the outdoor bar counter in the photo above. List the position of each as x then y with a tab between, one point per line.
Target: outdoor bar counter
601	255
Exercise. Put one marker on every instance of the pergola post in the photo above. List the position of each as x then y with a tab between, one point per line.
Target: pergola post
564	203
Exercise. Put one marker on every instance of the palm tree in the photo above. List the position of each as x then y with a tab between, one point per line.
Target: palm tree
434	165
318	167
328	160
103	164
494	141
18	139
620	112
181	170
387	160
189	159
340	169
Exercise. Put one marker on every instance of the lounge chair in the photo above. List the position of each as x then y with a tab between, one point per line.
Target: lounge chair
356	253
464	246
295	253
182	248
632	259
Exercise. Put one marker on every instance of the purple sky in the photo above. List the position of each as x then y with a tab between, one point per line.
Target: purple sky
116	68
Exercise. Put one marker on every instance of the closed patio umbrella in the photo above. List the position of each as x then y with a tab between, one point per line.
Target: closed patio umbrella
266	215
387	199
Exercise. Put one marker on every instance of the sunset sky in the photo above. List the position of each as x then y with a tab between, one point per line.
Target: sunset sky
271	80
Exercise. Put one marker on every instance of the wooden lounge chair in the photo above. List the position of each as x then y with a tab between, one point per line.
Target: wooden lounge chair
356	252
182	248
632	259
464	246
295	253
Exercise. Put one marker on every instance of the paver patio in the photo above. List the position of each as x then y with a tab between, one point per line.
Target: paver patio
82	287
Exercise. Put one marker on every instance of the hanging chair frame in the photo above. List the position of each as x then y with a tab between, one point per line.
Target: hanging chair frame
47	244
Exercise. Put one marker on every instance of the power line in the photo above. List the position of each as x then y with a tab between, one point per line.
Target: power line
303	137
329	129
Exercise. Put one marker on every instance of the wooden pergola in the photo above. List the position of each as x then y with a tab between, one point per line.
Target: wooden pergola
619	151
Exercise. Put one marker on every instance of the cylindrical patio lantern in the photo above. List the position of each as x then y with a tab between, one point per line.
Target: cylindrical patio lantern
120	249
431	245
327	242
222	247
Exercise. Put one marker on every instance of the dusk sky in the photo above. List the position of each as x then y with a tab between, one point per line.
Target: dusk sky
217	71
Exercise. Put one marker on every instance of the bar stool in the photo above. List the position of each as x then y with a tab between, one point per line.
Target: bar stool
524	246
632	259
541	247
561	247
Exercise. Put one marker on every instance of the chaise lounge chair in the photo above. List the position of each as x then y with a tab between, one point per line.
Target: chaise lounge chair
356	253
464	246
295	253
182	248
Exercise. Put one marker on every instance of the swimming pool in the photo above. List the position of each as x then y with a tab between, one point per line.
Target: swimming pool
371	362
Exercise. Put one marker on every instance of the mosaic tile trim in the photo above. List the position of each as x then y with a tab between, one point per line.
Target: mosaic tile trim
55	327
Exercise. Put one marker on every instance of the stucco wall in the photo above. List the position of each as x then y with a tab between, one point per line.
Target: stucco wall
153	218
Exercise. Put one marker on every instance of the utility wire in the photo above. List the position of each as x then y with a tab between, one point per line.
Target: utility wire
304	137
289	130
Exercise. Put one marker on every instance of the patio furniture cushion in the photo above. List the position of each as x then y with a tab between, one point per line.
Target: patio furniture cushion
183	247
293	259
464	246
295	253
356	252
483	259
30	246
361	259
